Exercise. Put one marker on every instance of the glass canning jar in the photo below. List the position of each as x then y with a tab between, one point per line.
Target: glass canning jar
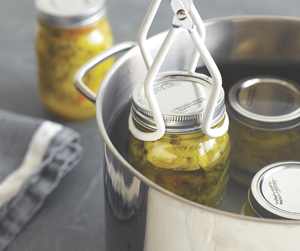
68	34
247	210
184	161
264	126
274	192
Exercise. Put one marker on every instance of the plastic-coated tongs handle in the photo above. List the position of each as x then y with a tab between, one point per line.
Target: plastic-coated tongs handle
185	17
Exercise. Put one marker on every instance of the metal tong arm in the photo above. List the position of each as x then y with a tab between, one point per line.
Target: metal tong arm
144	29
186	19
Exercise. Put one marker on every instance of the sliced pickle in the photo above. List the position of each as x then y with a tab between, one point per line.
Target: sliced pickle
211	154
212	150
188	147
191	165
204	161
213	177
160	156
188	151
148	145
197	182
223	142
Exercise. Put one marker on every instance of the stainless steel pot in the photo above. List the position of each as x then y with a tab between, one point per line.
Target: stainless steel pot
141	215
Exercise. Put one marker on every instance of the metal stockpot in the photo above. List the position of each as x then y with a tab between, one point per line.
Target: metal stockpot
141	215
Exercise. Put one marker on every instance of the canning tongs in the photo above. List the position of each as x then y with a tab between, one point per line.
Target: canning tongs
185	17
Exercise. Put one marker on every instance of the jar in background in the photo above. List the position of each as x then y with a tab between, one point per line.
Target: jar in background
264	126
68	34
274	192
184	161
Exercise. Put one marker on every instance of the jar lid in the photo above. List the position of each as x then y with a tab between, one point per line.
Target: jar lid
275	189
265	102
70	13
182	98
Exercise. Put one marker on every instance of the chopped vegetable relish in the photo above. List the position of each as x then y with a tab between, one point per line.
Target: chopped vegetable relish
60	53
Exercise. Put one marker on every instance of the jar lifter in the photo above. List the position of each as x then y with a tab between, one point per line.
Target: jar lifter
186	17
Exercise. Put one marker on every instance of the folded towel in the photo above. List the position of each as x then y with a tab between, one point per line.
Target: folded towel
34	155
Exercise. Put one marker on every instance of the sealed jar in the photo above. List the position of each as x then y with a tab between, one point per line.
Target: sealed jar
68	34
264	126
274	192
184	161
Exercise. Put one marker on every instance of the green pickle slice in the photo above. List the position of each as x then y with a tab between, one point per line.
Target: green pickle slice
161	155
193	166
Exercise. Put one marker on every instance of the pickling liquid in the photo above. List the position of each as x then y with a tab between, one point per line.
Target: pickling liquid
231	73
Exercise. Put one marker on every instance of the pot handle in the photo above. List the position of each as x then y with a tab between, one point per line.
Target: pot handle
89	65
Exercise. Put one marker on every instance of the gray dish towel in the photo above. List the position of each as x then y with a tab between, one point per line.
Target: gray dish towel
34	155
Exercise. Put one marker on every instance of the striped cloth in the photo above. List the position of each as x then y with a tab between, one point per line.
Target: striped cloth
34	155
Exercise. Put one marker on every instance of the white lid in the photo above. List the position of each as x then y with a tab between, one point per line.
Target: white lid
275	189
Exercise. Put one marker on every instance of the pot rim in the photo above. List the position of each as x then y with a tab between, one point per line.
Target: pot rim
151	184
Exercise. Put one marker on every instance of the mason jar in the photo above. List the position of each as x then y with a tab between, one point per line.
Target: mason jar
264	115
274	192
184	161
247	210
68	34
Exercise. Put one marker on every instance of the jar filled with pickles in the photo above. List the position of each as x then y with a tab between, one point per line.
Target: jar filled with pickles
68	34
184	160
264	126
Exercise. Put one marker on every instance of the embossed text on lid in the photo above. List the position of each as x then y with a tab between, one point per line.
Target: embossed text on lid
275	191
182	98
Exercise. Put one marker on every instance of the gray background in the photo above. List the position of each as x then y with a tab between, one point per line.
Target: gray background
72	218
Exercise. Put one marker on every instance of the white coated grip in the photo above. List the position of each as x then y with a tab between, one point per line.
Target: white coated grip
148	86
215	91
189	22
202	32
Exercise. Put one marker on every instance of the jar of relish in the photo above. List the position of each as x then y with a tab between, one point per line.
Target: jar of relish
68	34
184	160
264	126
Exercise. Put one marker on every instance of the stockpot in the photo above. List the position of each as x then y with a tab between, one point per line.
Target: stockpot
141	215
